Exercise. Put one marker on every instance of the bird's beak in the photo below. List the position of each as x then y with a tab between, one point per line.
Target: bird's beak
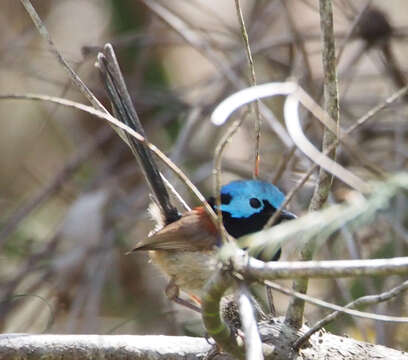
287	215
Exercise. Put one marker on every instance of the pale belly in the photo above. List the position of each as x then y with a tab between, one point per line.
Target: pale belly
190	270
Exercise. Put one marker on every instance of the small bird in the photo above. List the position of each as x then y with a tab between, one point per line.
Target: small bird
185	249
184	245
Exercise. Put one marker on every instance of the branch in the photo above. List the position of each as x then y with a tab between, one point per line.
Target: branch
341	309
365	300
248	323
331	101
74	347
319	225
116	124
53	49
217	59
255	269
55	184
274	332
252	81
294	314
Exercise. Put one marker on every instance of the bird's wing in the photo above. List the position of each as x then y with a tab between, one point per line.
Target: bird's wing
192	232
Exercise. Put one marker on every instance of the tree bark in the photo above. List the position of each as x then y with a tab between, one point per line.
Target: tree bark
275	333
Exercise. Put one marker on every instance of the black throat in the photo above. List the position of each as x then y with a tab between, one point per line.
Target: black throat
238	227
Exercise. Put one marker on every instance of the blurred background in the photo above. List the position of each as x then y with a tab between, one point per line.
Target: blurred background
73	200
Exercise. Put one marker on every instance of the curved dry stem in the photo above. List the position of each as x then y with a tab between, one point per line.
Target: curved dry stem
252	77
291	113
219	150
340	309
73	75
113	121
253	342
364	300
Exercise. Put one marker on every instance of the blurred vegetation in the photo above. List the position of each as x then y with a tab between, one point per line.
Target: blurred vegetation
73	200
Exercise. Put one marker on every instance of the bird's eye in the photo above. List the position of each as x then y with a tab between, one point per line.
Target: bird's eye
255	203
225	199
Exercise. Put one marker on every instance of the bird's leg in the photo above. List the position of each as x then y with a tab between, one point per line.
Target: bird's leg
195	299
272	309
172	292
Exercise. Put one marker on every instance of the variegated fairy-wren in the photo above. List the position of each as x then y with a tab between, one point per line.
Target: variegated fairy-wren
184	245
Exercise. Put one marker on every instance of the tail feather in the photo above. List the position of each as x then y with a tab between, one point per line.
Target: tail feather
124	110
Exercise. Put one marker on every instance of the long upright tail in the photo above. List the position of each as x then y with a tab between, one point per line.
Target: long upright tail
124	110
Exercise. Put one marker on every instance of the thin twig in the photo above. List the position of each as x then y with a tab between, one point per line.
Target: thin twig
298	40
295	95
256	269
283	164
255	105
364	300
216	59
253	343
331	102
294	313
360	122
351	31
341	309
219	150
55	184
318	226
108	117
73	75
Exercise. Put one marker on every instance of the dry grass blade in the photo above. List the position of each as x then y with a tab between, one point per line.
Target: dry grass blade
291	111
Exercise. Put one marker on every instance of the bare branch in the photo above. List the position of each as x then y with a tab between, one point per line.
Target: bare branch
256	269
55	184
113	121
252	77
74	347
278	336
73	75
294	314
252	340
365	300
